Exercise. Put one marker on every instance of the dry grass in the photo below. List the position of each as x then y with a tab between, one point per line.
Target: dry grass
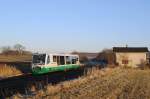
7	71
12	70
115	83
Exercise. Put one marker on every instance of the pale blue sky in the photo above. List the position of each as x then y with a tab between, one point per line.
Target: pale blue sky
67	25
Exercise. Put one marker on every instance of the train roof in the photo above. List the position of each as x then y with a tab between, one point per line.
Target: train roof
57	54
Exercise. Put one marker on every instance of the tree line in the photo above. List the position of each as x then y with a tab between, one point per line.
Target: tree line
106	55
17	49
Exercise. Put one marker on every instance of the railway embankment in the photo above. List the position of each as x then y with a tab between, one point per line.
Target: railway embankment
118	83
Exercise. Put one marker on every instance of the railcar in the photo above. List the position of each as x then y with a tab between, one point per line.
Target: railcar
45	63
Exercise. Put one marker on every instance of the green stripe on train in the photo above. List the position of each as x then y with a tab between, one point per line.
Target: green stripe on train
37	71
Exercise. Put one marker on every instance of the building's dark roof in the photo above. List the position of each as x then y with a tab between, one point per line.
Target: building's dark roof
130	49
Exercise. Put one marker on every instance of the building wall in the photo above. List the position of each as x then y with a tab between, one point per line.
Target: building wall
133	59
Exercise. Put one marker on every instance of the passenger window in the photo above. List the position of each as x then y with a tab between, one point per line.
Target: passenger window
54	59
74	61
62	60
68	60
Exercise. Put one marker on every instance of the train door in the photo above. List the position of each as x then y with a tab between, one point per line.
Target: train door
58	60
48	59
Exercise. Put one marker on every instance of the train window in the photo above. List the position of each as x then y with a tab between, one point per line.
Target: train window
62	60
68	61
48	60
74	60
54	59
39	59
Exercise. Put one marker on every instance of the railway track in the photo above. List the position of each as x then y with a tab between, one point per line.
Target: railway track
21	83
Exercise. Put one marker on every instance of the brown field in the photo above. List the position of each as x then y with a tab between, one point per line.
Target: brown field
15	58
115	83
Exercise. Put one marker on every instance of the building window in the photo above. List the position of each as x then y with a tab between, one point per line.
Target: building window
125	62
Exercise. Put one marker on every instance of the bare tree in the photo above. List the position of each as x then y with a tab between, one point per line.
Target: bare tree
83	58
19	48
107	55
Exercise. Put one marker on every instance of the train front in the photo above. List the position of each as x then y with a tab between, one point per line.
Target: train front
38	62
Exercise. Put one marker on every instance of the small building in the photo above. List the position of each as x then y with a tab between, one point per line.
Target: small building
131	56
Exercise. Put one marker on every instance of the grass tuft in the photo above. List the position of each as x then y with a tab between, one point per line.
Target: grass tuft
7	71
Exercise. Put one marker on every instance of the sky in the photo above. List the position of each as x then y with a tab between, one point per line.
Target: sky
74	25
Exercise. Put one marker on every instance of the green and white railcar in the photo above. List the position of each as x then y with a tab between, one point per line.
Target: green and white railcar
45	63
